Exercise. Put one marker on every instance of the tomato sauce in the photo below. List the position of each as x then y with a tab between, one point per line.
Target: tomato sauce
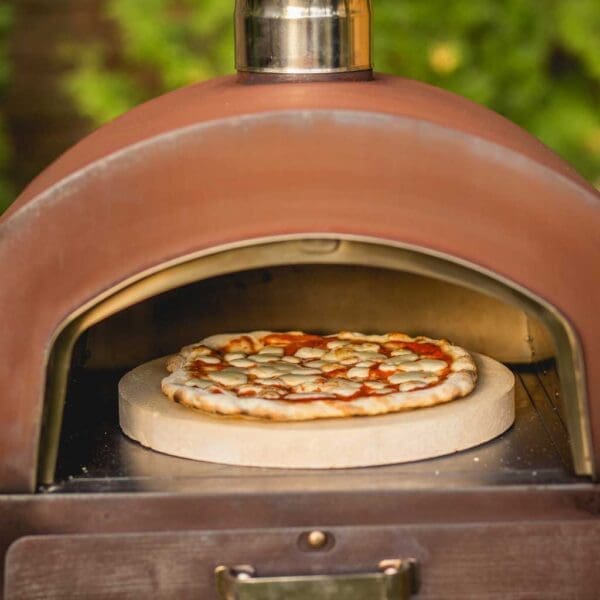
291	343
426	350
242	344
341	372
199	368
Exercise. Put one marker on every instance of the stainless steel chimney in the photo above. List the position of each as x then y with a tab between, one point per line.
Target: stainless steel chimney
304	37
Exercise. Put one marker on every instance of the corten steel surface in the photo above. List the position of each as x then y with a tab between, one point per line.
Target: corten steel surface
225	97
433	171
525	560
537	526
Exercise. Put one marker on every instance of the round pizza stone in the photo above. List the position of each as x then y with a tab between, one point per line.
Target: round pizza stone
150	418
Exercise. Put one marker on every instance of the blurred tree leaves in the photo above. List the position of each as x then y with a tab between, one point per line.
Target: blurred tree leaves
6	189
100	92
164	44
181	41
537	63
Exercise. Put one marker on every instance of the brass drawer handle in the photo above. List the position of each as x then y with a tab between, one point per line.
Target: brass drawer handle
394	580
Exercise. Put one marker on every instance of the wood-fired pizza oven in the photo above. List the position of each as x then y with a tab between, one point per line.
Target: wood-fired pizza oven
305	193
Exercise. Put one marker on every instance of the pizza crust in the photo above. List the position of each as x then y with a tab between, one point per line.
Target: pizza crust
189	391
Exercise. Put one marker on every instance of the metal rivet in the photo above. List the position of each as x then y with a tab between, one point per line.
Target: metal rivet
317	539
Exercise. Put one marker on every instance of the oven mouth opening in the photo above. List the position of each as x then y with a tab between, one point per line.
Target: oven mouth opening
267	285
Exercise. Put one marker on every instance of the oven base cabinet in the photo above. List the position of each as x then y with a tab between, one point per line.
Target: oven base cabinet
558	559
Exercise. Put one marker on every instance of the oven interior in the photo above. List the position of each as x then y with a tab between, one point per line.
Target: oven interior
93	455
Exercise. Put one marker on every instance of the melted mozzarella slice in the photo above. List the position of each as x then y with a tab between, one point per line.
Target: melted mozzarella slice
368	355
350	361
229	377
426	364
271	393
400	352
375	385
385	368
396	362
308	352
291	359
305	371
310	396
264	371
263	358
367	347
199	383
417	376
242	363
293	380
209	360
341	387
272	351
400	360
411	385
309	387
336	344
315	364
197	350
284	367
358	373
340	354
270	382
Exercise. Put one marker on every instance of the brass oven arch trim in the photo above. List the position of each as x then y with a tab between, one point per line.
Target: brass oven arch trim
307	249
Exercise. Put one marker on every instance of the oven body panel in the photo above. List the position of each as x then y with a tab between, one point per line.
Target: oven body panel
224	97
348	182
480	560
372	179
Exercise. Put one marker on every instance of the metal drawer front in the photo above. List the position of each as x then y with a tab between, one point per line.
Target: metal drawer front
517	560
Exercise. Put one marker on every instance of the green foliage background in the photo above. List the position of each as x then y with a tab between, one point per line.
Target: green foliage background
535	61
538	63
6	189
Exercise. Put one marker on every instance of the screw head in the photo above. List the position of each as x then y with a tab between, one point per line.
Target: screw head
317	539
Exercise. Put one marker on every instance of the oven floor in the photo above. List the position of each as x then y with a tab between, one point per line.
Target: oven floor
95	456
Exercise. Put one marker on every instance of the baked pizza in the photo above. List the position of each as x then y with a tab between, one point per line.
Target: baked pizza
296	376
